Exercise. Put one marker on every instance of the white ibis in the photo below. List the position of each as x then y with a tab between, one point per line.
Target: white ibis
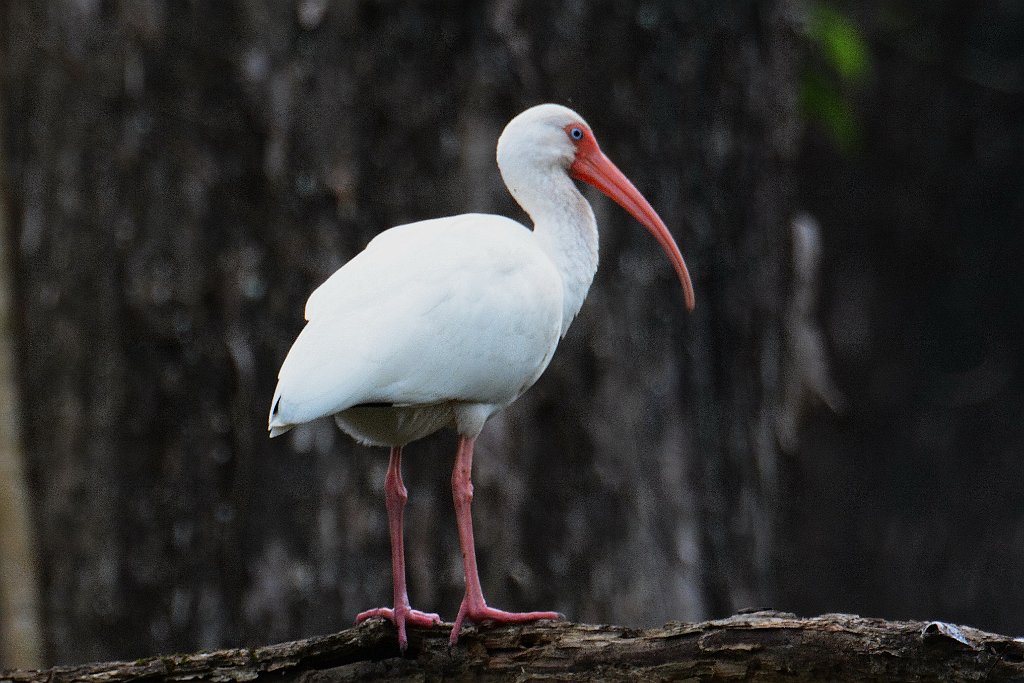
444	322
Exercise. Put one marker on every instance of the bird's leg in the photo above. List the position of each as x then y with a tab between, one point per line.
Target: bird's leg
395	497
473	606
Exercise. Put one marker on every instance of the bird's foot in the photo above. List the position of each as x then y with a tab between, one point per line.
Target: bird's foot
479	612
400	616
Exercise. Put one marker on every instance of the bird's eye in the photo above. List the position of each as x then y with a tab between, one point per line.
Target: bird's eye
576	133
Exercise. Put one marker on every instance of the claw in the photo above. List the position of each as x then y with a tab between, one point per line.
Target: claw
405	615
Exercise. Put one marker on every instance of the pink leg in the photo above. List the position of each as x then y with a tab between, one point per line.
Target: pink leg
473	606
395	496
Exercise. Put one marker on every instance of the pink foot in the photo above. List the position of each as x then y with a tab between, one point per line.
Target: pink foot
479	613
473	606
400	617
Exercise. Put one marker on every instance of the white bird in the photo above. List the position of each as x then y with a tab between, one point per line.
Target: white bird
444	322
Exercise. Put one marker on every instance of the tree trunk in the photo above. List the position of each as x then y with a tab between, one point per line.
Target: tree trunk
765	646
20	631
183	178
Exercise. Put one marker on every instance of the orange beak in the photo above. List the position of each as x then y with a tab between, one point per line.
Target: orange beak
594	168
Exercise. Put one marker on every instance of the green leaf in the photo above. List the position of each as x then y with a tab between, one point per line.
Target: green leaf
841	43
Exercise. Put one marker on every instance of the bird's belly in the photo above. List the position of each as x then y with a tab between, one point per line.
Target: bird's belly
395	425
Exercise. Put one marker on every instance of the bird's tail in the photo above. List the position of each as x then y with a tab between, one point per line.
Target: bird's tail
278	431
276	425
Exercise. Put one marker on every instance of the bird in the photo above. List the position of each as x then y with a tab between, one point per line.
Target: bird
442	323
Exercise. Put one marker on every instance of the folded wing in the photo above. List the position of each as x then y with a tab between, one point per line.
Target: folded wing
464	308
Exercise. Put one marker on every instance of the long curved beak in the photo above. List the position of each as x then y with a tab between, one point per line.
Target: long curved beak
594	168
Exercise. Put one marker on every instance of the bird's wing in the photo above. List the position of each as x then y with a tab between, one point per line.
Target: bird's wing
463	308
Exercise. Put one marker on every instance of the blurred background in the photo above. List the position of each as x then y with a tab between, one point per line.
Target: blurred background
837	427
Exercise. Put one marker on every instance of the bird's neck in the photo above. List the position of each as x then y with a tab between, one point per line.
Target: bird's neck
566	231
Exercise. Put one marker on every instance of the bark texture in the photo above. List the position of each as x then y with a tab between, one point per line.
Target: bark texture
764	646
183	175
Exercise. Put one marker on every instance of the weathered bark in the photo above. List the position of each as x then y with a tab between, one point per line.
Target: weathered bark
763	646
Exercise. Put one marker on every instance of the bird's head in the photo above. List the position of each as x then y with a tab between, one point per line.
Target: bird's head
549	137
540	137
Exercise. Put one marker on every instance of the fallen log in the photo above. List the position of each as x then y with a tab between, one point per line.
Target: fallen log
755	646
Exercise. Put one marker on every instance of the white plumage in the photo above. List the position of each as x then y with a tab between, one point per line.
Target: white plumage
438	314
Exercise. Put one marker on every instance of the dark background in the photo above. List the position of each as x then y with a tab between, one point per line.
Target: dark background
837	427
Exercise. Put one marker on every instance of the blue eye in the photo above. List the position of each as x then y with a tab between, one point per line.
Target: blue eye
576	133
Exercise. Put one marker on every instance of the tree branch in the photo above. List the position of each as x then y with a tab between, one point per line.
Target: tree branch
759	646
